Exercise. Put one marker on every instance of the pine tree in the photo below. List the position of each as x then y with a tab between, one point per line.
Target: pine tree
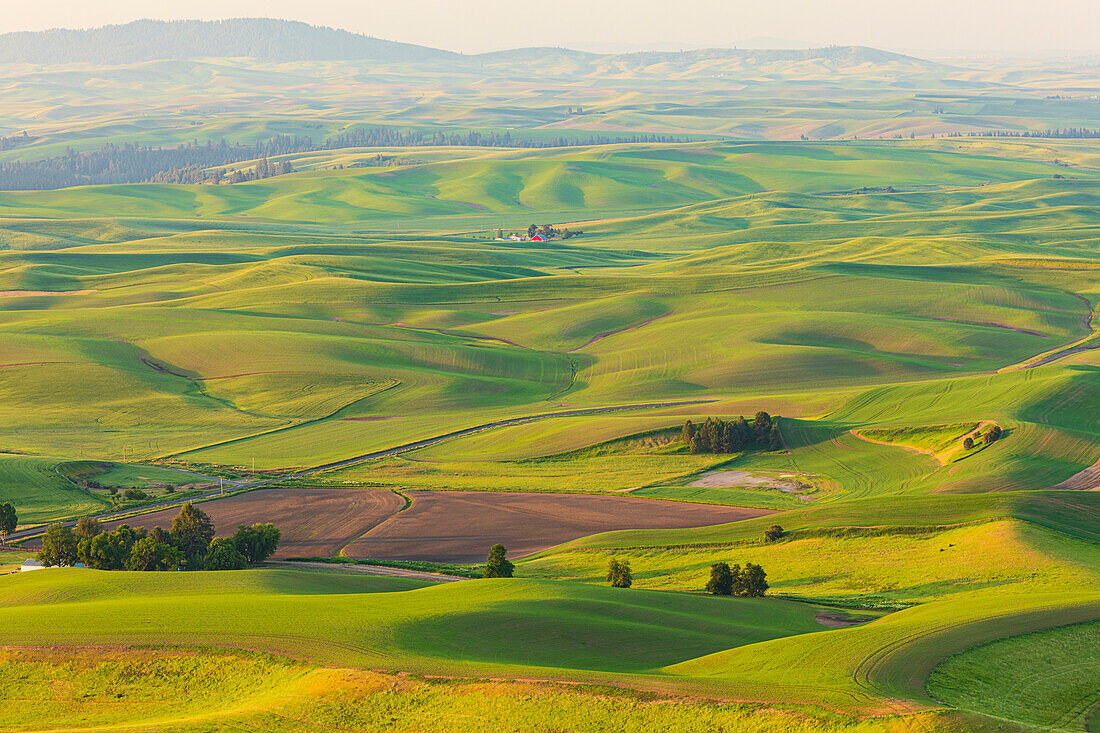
762	426
687	433
775	440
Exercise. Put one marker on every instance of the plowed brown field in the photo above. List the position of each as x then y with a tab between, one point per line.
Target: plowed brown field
313	522
460	526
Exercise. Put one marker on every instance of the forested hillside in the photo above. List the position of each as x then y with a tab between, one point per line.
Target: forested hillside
261	38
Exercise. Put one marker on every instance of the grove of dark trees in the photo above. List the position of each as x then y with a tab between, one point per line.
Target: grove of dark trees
731	580
132	163
732	436
189	544
1067	133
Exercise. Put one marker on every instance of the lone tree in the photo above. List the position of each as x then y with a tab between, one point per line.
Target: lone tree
256	543
497	565
993	434
58	546
192	531
619	574
721	580
687	433
223	555
773	533
968	443
8	520
753	580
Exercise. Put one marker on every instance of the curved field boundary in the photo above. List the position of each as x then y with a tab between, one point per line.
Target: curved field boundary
386	452
884	666
406	447
1092	341
902	666
1086	480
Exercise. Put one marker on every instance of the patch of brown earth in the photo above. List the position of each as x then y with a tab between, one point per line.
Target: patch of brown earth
461	526
313	522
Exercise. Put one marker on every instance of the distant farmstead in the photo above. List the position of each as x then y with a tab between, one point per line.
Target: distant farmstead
539	233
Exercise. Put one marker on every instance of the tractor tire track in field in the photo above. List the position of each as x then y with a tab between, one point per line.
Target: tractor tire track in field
384	453
615	331
876	663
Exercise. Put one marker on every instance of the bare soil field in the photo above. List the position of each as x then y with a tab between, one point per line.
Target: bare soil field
313	522
727	479
460	526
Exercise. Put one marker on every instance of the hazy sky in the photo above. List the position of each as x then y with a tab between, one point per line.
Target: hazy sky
479	25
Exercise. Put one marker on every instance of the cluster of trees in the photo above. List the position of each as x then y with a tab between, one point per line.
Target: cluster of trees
732	436
391	137
732	580
132	493
14	141
189	544
619	574
198	163
198	174
548	231
1070	133
133	163
381	161
992	434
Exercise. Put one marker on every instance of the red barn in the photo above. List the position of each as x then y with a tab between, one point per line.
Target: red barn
537	238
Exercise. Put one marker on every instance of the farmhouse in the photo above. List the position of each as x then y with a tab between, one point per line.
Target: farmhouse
29	565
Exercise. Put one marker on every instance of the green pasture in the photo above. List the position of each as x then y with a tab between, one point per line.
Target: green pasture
40	492
1072	513
558	626
562	630
143	688
877	567
1040	679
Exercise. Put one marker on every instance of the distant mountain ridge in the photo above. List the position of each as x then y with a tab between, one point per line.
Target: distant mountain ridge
270	39
262	38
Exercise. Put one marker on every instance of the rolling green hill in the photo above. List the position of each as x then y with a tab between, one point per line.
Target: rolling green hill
879	299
